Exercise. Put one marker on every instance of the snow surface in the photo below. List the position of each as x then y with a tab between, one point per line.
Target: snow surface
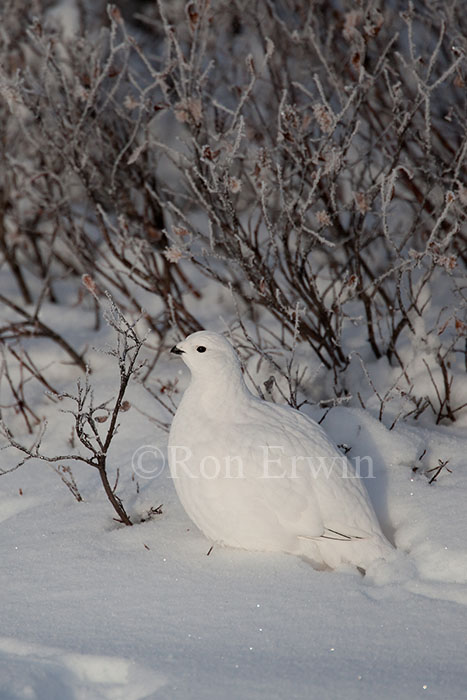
94	610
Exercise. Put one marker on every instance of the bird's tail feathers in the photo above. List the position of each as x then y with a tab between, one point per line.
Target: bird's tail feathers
330	534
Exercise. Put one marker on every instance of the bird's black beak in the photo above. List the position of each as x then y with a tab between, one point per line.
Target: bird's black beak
177	351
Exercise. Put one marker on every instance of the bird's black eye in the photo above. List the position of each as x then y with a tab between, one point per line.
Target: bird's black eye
201	348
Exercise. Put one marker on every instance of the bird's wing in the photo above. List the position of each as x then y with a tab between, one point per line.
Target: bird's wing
304	477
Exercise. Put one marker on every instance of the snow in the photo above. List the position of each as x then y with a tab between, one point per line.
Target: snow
92	609
88	609
33	670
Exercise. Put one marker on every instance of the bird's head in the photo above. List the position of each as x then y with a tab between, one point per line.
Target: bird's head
208	354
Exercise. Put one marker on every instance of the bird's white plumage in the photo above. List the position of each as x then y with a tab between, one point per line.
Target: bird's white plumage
262	476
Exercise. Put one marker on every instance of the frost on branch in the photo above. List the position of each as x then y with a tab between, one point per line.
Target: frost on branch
294	157
88	416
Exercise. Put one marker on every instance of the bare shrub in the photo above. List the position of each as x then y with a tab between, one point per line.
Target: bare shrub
309	157
95	425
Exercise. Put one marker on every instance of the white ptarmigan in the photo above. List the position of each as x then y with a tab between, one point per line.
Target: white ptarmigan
262	476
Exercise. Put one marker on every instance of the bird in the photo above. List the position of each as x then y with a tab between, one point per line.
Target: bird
261	476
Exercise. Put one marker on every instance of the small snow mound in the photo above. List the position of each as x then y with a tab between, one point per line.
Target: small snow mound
441	564
398	569
36	672
367	436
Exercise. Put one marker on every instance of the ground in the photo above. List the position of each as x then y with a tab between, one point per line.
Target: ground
95	610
